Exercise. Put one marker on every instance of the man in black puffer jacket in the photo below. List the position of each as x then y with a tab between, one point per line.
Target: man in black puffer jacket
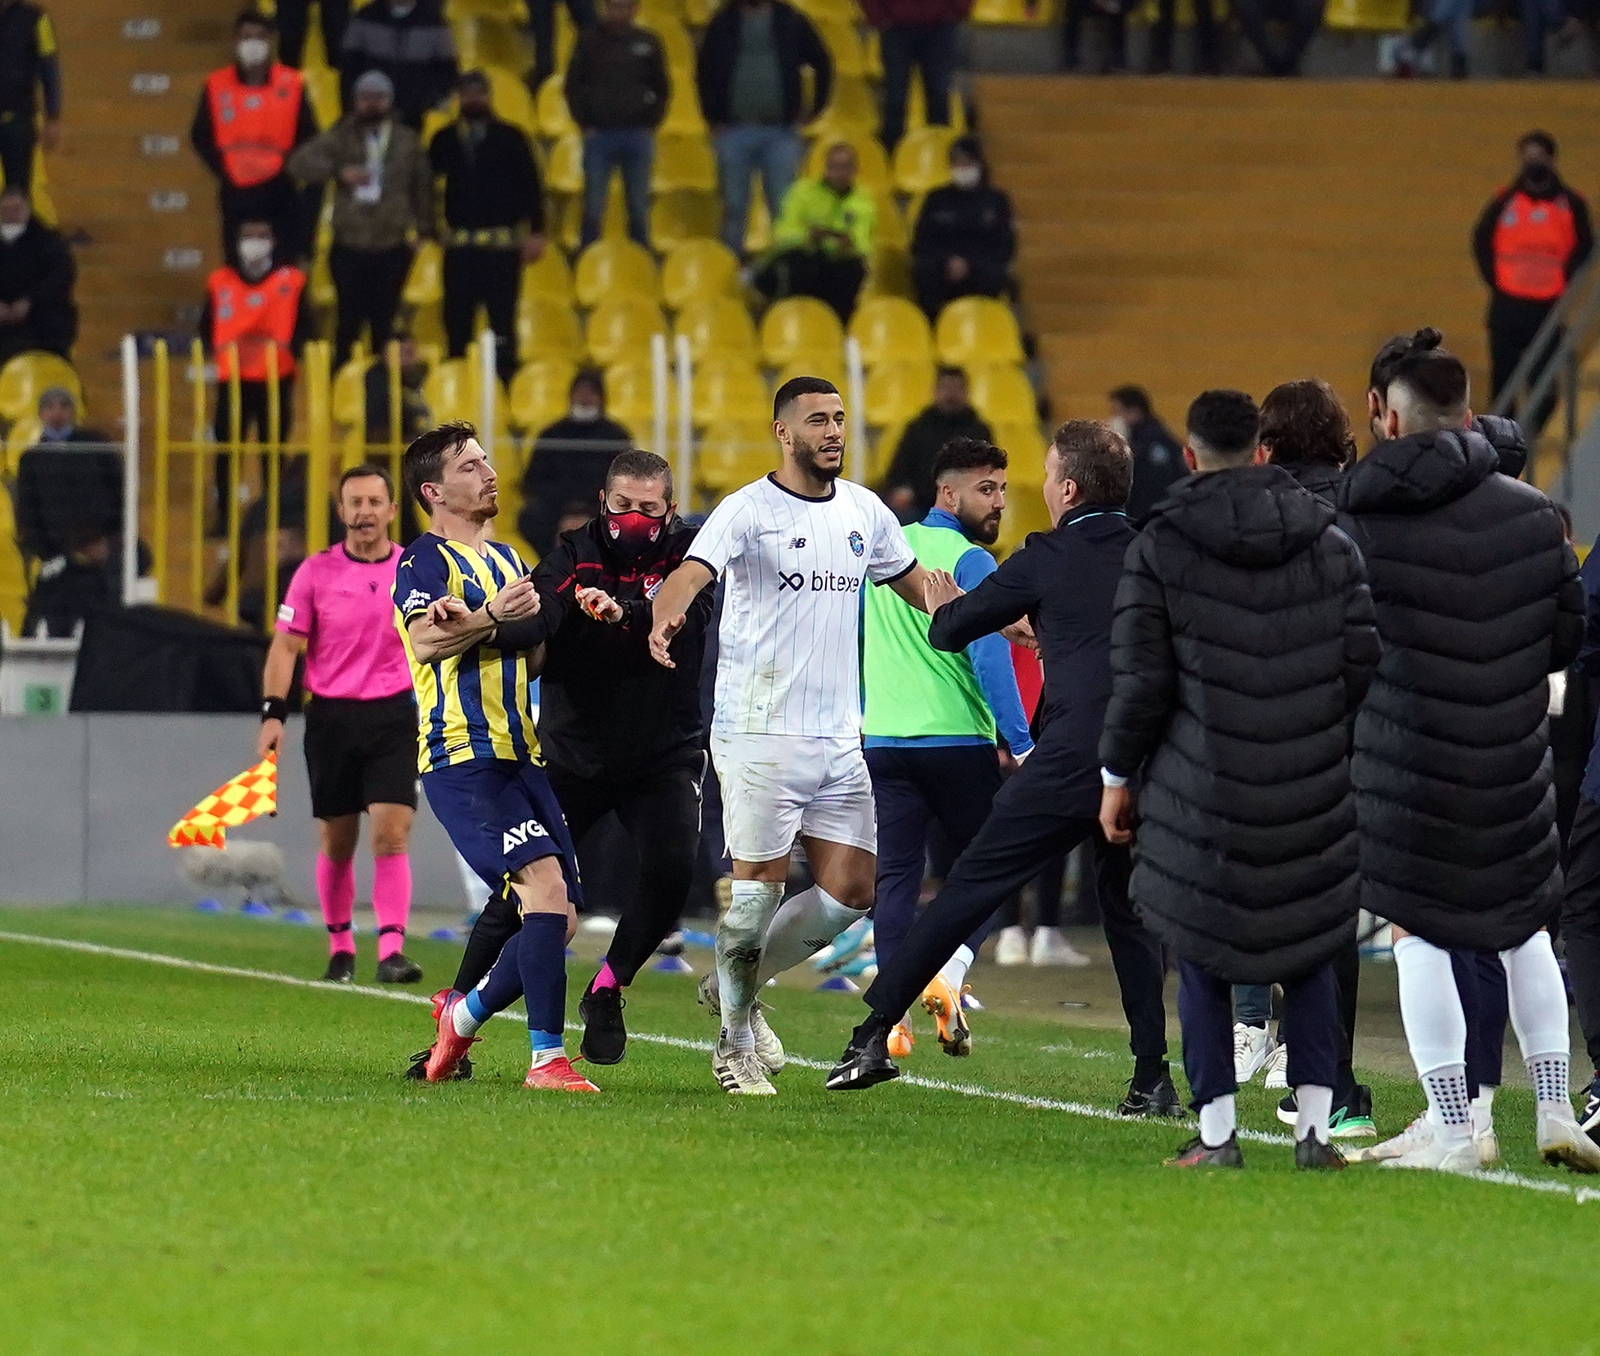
1243	639
1478	599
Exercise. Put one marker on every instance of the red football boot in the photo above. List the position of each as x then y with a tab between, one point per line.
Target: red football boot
448	1047
558	1075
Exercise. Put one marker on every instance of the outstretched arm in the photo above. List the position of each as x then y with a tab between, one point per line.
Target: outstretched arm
672	605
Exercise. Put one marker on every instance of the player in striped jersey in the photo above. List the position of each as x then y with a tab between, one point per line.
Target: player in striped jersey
465	607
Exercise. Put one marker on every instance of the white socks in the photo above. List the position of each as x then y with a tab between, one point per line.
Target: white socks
739	943
1539	1014
1436	1031
802	927
1483	1109
463	1020
955	969
1217	1121
1314	1104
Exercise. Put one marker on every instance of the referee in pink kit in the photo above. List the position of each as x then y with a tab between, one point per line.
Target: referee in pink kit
361	720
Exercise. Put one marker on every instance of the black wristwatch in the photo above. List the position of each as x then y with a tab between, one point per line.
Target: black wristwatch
274	708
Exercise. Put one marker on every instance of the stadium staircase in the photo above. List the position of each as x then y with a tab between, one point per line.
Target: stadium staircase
1183	233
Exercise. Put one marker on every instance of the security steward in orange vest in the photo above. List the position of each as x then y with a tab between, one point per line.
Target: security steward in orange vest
1532	237
251	115
250	304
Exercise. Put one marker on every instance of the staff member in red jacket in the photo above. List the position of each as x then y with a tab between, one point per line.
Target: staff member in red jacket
251	115
1532	237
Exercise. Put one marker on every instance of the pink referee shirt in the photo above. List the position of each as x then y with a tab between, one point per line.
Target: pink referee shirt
345	610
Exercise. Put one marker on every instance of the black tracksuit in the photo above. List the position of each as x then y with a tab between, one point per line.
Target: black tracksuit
962	223
619	733
1064	582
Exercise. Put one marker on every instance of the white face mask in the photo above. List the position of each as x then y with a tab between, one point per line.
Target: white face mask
966	176
11	231
400	11
255	251
585	414
253	52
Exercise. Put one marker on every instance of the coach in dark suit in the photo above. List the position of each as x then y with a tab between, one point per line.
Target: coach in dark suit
1064	582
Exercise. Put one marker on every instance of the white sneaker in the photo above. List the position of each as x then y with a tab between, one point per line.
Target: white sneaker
1440	1155
769	1049
1487	1144
1051	948
1252	1047
1011	947
1278	1067
1417	1135
1561	1140
740	1072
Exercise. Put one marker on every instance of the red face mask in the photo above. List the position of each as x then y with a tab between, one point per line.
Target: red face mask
633	533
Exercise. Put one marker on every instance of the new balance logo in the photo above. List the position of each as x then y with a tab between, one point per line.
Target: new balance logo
515	838
797	543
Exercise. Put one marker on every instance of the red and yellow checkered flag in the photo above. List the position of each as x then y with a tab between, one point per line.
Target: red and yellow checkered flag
237	801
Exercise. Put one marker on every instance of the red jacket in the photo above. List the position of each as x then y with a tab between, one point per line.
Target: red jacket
915	13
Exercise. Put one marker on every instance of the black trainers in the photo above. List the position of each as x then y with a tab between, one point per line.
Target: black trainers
1194	1154
605	1038
1312	1155
341	968
418	1069
1160	1099
865	1060
1350	1119
399	969
1589	1120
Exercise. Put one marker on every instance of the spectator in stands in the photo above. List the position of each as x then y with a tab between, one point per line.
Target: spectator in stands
964	242
1206	60
383	198
494	214
908	487
1157	455
1530	239
567	470
617	89
920	33
28	65
1302	18
749	69
542	30
294	22
1114	12
415	416
37	274
823	238
251	115
409	41
1435	19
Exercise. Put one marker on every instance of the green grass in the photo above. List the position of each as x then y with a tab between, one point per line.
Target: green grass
202	1163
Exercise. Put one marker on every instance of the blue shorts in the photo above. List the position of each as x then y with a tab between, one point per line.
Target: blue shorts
502	815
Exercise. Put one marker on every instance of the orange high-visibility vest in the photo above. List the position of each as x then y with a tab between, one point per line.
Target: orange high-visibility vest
1533	240
251	315
254	124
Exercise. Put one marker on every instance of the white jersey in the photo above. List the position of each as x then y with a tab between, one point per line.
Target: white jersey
789	661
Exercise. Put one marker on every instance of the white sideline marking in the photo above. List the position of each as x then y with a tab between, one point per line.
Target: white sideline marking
1499	1177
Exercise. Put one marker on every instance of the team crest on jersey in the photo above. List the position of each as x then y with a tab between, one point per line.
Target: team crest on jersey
857	544
652	585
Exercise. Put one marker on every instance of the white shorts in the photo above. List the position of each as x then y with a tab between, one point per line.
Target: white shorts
777	787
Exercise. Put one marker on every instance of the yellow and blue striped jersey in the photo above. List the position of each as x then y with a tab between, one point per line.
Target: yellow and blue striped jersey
474	704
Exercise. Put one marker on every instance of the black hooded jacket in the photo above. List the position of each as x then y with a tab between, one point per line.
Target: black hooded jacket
1243	639
1478	598
1505	436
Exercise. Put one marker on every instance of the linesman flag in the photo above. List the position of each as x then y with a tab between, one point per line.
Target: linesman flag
237	801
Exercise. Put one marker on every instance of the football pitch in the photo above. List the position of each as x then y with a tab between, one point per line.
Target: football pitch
197	1159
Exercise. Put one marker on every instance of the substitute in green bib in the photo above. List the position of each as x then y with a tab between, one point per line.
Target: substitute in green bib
932	720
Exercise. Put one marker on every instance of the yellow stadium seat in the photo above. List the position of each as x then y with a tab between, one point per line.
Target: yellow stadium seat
1011	12
614	268
676	43
916	107
554	119
684	160
922	160
1368	15
828	367
891	329
718	325
1002	395
734	454
425	282
539	393
22	435
29	375
450	390
975	330
830	11
898	392
350	394
684	114
1024	443
322	87
843	42
852	111
727	388
698	269
13	573
547	329
509	97
881	454
548	277
872	165
889	231
800	326
489	41
890	274
622	328
697	13
684	216
631	394
563	171
1025	512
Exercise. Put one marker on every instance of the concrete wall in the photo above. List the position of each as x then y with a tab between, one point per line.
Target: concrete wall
86	802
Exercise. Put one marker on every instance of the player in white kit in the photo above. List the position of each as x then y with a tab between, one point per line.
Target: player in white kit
796	548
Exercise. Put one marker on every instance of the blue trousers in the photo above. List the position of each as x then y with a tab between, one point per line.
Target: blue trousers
631	150
1205	1008
773	150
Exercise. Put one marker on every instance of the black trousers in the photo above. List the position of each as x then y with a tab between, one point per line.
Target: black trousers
935	291
661	812
811	273
17	137
1513	323
1485	1003
1116	34
1020	835
1580	922
253	425
542	28
292	27
369	283
491	278
1206	58
1303	17
1205	1007
291	211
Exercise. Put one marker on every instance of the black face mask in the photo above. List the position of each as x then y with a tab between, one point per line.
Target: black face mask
632	534
1539	178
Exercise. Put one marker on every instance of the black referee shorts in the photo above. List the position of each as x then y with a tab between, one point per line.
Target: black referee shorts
361	753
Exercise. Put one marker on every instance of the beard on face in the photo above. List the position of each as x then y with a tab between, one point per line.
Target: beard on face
985	529
809	455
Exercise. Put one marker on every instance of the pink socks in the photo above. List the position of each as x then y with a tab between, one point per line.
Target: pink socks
336	890
391	901
605	979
